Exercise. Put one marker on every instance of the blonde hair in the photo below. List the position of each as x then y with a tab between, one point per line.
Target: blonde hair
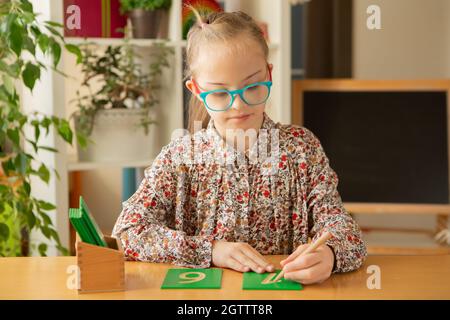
217	26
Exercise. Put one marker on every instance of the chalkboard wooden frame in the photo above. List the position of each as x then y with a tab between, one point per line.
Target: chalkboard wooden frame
299	87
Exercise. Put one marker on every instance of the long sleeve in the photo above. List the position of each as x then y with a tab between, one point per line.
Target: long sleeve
146	224
326	211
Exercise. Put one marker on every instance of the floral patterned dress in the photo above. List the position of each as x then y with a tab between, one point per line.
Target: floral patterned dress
200	189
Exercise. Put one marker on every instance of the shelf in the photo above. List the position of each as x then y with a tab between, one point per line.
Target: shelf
138	42
120	41
272	46
75	165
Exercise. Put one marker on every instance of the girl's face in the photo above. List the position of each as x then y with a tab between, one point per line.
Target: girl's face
232	66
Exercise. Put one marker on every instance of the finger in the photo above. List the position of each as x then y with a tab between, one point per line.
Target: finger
303	262
317	280
295	254
240	256
258	258
236	265
308	276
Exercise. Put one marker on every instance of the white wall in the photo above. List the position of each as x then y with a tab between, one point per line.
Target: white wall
413	43
447	40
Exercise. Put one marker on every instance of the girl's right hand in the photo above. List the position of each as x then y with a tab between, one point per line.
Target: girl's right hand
239	256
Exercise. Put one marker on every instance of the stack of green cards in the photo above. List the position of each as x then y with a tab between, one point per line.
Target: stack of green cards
85	225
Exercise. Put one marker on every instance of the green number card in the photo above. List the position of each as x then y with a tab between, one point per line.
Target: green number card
264	281
193	279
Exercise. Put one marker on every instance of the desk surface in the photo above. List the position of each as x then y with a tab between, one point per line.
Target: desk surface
402	277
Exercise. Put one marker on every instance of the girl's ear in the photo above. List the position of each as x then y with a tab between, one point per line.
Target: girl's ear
191	87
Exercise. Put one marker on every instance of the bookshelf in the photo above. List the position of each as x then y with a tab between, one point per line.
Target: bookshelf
59	91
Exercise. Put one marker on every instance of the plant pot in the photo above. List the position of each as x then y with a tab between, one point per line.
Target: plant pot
117	136
149	24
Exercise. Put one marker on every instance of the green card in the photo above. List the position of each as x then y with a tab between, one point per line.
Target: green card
193	279
264	281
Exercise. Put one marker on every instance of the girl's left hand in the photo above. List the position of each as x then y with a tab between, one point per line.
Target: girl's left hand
314	267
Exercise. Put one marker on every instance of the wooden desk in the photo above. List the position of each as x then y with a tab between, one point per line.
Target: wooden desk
402	277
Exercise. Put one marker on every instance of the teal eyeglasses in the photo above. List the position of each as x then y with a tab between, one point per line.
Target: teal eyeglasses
222	99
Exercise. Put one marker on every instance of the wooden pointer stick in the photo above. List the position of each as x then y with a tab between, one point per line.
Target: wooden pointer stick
320	241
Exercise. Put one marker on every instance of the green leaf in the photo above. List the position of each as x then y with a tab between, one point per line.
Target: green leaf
13	69
8	83
45	218
54	32
28	17
30	74
47	206
55	120
20	163
54	235
31	219
76	51
43	41
37	132
27	188
3	189
26	6
29	45
46	124
15	38
56	52
56	174
65	131
7	210
82	141
35	147
22	119
8	166
54	24
46	231
36	32
13	135
42	249
48	148
43	173
4	231
4	67
63	250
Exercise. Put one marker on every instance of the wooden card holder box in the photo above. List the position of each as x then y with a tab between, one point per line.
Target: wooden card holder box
101	269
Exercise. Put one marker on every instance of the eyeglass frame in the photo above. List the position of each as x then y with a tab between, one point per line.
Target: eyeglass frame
233	93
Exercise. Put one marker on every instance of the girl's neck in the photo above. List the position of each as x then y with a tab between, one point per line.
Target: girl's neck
240	139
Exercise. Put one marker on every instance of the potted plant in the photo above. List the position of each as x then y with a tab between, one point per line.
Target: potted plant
149	18
117	115
20	211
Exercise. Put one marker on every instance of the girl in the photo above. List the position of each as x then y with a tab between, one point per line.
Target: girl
205	201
